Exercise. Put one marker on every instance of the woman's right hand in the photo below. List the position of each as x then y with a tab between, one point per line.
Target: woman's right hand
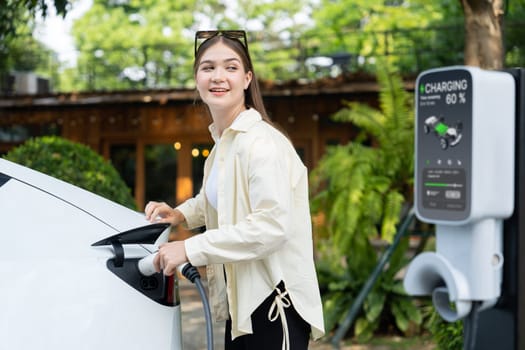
160	212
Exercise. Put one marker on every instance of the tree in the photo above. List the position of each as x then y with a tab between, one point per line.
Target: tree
148	44
144	44
135	44
275	29
18	49
14	12
483	33
415	34
25	53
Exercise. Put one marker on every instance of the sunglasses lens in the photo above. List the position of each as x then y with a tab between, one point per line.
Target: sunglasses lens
230	34
206	34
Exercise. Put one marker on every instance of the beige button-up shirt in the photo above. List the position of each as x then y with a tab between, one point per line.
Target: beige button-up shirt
261	232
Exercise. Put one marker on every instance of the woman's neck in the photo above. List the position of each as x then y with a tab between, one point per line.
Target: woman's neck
222	119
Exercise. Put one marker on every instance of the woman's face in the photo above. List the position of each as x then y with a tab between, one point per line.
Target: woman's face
221	78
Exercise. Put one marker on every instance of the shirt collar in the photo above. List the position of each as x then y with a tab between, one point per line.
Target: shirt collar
242	123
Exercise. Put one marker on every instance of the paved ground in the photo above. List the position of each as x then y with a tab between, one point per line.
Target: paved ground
193	322
194	326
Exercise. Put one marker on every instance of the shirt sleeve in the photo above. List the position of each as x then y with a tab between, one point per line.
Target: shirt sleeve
264	230
193	211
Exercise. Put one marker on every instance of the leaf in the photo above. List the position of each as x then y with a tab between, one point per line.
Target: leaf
392	211
373	305
334	309
364	330
397	288
411	311
400	318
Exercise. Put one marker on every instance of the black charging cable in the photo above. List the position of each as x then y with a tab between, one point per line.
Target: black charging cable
192	274
470	327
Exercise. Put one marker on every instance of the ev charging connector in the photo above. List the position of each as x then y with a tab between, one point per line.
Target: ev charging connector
147	268
464	184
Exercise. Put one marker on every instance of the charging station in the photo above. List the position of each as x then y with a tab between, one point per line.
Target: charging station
469	130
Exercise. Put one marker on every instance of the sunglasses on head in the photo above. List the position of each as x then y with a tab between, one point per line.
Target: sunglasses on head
230	34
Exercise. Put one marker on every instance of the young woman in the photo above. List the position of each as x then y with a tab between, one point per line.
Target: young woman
257	247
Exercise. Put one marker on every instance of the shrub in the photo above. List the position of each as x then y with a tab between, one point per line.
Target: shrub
74	163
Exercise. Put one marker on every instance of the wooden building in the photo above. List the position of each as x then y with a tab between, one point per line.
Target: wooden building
158	139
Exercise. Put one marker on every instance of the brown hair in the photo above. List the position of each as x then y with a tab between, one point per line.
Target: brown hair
252	95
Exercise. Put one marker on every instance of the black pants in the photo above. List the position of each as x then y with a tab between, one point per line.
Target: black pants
268	335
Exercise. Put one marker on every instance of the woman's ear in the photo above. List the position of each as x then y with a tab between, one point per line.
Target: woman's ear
248	79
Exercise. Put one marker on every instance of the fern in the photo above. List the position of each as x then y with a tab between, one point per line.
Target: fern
360	190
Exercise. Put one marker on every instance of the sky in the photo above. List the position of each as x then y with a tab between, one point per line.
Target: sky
54	31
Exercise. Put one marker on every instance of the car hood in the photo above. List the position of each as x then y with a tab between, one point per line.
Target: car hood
117	216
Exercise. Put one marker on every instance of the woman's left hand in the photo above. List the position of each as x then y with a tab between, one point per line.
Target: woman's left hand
169	256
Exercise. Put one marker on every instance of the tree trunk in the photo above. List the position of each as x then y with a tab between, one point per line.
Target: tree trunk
483	33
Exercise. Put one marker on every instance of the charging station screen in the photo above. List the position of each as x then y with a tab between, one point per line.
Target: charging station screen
443	144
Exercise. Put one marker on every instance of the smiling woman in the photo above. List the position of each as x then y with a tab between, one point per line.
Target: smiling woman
221	81
257	245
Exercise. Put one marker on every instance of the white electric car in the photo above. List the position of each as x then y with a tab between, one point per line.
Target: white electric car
68	267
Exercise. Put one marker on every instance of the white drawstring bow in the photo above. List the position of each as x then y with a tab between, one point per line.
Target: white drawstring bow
281	301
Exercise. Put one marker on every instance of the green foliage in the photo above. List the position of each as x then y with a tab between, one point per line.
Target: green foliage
159	51
364	183
275	45
371	29
447	335
74	163
18	50
360	193
390	292
26	54
135	44
15	12
514	39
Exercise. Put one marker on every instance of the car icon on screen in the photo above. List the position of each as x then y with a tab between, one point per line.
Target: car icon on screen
447	135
